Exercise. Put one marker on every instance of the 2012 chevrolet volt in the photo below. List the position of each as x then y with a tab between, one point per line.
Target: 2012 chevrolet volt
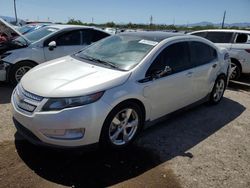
109	91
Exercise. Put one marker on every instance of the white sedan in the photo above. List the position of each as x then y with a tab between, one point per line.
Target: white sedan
42	45
110	91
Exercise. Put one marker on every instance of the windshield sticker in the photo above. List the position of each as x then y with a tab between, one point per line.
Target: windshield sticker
148	42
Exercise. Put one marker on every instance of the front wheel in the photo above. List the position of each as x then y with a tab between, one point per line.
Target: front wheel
19	70
122	126
218	90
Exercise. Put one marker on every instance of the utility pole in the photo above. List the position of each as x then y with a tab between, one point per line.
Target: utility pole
15	10
223	21
151	20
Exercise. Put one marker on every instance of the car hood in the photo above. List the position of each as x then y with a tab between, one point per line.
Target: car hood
69	77
9	31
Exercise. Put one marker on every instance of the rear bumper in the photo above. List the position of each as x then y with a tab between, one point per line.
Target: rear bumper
245	65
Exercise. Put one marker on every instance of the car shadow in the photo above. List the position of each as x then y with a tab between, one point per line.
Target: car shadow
5	92
156	145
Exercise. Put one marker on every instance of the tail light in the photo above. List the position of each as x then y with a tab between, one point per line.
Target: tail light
247	50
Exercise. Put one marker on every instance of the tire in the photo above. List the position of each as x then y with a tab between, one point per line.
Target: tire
116	133
218	90
236	73
18	70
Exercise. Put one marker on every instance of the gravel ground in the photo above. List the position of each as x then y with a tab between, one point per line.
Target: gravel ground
207	146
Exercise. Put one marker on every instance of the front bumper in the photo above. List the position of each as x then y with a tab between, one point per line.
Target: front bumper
4	68
34	126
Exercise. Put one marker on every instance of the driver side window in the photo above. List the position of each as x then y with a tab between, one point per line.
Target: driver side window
176	56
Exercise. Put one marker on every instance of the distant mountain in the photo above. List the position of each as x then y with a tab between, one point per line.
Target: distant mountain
244	24
12	20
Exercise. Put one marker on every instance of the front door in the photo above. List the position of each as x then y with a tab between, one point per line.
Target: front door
174	90
66	44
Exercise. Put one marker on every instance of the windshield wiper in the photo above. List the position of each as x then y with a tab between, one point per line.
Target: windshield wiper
110	64
19	43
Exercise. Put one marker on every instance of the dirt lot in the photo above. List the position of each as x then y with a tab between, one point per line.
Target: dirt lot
208	146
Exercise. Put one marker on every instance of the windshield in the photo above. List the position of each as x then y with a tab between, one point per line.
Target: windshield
122	51
36	35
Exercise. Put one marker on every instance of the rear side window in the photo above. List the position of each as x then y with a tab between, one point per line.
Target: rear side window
201	53
98	35
69	38
175	56
91	35
219	37
200	34
86	36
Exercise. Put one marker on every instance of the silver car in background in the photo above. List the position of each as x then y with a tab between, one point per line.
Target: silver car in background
44	44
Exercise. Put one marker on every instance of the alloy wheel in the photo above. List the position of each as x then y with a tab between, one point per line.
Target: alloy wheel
219	89
21	72
123	126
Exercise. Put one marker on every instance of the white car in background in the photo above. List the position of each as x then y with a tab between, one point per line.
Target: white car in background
45	44
237	42
107	92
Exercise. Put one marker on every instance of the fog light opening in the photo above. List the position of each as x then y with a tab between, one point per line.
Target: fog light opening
64	134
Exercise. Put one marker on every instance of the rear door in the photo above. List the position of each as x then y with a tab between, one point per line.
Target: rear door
205	59
241	50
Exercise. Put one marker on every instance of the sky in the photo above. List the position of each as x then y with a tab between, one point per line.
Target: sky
135	11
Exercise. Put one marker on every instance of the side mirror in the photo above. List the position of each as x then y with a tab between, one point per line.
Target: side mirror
161	73
52	45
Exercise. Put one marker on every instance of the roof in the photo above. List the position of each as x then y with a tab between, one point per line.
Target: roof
157	36
223	30
64	26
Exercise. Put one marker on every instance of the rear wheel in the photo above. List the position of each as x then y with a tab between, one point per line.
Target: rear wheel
19	70
122	126
218	90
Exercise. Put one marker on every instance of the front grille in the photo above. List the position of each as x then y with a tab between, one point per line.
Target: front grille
25	100
29	95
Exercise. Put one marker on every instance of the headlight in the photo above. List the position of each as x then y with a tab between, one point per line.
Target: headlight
3	65
54	104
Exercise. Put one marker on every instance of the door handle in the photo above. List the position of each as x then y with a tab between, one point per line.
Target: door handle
214	65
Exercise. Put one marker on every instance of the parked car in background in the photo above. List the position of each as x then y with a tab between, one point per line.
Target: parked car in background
111	30
44	44
31	27
107	92
238	44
